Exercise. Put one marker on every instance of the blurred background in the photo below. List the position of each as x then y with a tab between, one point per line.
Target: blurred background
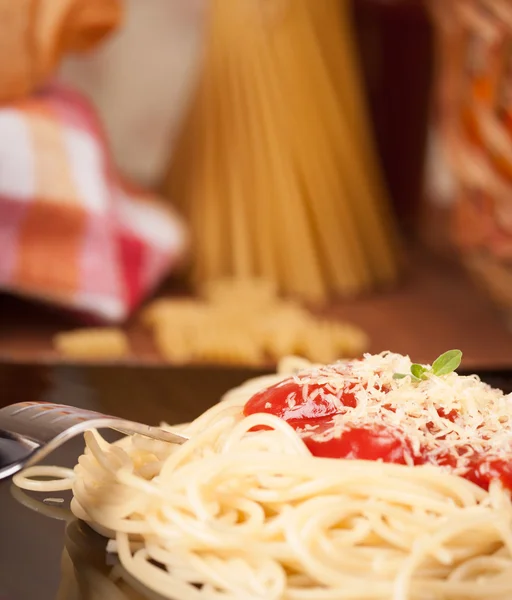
198	187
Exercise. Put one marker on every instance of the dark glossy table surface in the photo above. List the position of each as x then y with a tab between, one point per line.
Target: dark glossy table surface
42	558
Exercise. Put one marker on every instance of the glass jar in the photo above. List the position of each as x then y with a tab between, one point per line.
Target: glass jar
475	101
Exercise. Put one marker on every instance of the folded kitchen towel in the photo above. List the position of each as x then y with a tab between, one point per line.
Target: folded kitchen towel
71	232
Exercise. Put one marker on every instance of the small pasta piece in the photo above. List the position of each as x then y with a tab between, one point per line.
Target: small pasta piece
349	340
92	343
282	342
227	347
165	310
252	292
246	322
316	343
173	343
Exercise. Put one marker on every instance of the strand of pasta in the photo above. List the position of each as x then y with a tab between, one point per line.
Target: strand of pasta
291	191
208	206
323	188
332	20
253	515
328	233
374	236
324	79
300	269
239	170
334	23
357	491
250	144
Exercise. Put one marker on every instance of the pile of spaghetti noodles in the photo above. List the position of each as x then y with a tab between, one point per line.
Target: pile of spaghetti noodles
244	510
275	166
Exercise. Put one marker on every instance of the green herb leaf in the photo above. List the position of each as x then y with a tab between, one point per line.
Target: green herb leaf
444	364
418	371
447	362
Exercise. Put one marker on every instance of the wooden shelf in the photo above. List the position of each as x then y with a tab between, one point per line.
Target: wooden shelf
436	308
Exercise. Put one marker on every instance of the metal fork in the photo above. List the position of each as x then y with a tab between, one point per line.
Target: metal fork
29	431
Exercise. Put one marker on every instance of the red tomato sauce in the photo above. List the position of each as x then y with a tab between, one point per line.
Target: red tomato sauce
288	401
312	415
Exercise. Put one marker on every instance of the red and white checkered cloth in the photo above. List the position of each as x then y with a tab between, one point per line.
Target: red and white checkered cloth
70	232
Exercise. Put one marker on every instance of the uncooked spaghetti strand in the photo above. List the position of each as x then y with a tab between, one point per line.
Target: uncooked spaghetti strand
258	193
299	252
224	152
335	29
261	198
279	181
184	182
246	178
359	113
210	218
237	164
377	239
321	177
337	132
251	179
325	77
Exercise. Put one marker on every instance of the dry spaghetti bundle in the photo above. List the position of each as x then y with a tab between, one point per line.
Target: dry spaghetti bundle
275	167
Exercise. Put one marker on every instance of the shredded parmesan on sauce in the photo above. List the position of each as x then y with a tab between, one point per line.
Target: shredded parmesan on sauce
482	423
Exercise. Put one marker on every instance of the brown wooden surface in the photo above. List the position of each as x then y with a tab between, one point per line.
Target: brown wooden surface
436	308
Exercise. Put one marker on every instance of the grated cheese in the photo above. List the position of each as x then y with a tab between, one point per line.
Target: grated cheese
291	401
416	411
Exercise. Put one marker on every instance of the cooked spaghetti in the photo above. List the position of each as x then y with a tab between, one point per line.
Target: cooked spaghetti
370	479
